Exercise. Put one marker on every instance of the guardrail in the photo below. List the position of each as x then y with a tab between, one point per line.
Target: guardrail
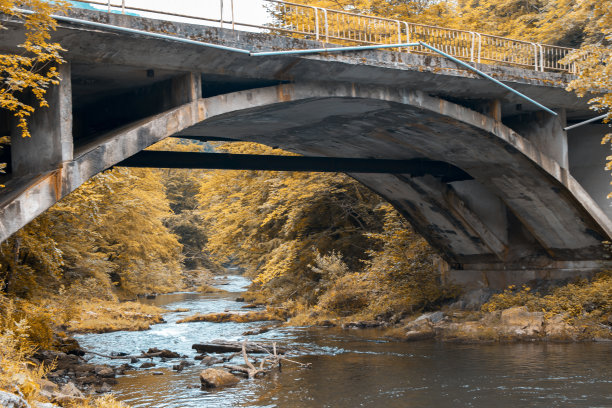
344	28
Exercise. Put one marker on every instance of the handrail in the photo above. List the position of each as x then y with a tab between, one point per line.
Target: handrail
346	28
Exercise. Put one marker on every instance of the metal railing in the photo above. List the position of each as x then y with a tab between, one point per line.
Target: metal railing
344	28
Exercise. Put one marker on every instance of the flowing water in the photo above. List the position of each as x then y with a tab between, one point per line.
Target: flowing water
357	368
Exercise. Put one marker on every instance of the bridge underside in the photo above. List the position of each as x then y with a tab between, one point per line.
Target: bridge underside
508	207
508	210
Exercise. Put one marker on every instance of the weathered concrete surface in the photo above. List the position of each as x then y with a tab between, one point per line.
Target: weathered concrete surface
27	197
435	75
50	142
552	218
376	122
587	160
523	214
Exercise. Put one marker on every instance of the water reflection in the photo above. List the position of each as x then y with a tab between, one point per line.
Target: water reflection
357	369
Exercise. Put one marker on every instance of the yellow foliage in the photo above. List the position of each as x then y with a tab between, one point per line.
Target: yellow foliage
318	243
123	243
583	298
108	316
33	69
270	222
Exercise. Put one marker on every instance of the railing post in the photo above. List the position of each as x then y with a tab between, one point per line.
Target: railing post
535	56
122	6
473	35
479	46
221	16
109	6
399	32
407	36
316	12
326	26
232	5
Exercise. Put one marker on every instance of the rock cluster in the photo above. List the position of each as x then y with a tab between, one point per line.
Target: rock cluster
71	368
512	324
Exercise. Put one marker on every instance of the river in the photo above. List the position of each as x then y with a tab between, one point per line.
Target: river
357	368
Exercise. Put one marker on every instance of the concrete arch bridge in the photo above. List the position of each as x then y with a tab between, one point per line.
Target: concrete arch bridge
493	183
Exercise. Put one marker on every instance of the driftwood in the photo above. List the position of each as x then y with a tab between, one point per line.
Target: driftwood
273	358
219	346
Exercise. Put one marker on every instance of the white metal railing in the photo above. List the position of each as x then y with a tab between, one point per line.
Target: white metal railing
341	27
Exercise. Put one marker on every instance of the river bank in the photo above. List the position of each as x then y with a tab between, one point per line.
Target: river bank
79	376
350	367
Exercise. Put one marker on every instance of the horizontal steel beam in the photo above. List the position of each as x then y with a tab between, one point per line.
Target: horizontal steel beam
226	161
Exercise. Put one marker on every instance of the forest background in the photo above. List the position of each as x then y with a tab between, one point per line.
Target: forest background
319	245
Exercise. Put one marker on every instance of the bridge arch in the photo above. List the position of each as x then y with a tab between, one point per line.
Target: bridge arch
521	207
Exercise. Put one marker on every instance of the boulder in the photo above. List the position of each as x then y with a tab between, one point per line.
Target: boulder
47	386
521	322
104	388
68	394
8	400
422	323
557	327
472	300
70	390
147	365
163	353
215	378
104	371
362	325
210	360
415	335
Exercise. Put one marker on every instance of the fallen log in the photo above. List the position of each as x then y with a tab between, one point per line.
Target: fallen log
220	346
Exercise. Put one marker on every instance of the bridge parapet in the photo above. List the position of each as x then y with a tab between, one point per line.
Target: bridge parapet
342	27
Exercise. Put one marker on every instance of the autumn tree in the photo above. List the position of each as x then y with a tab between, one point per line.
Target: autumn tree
318	241
107	237
34	69
273	223
182	187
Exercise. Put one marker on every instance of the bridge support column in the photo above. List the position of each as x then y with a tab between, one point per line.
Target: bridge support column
186	88
51	128
546	133
588	161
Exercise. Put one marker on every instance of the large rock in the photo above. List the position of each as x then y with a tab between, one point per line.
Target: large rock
47	386
473	299
215	378
8	400
70	390
422	328
104	371
520	321
557	328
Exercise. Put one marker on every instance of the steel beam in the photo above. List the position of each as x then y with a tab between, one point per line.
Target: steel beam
226	161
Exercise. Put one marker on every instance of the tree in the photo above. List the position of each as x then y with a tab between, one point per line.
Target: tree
33	70
108	236
182	188
273	223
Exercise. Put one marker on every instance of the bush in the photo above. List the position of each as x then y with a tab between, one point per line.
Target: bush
584	297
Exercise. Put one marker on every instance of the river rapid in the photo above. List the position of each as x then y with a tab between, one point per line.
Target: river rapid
356	368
